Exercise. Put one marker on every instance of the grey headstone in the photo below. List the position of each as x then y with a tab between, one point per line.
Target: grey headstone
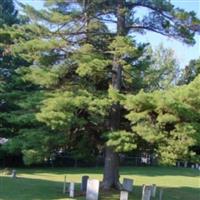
178	164
146	192
128	184
192	166
14	174
153	192
123	195
161	194
64	185
84	183
92	192
197	166
185	164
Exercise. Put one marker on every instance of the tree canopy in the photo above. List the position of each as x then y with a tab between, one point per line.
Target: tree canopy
85	80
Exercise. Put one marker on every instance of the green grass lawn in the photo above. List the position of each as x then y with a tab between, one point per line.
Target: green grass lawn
47	184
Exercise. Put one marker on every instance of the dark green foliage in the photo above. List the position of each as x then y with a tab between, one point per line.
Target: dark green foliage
71	52
8	13
167	121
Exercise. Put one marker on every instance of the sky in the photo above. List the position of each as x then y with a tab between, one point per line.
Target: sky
184	53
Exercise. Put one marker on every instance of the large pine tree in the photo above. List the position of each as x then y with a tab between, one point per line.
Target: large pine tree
84	55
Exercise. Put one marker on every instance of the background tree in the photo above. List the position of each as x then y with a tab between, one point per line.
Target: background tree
87	68
167	121
163	71
18	99
191	71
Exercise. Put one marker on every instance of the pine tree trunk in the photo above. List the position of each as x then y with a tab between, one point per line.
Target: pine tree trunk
111	166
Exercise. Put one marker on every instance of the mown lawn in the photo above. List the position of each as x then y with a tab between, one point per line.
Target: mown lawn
47	184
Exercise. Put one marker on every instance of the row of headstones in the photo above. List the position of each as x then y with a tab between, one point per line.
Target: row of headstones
185	164
91	188
149	191
88	186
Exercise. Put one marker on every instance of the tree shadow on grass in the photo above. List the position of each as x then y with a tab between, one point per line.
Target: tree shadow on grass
37	189
159	171
143	171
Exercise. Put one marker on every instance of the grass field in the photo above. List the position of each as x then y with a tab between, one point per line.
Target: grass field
47	184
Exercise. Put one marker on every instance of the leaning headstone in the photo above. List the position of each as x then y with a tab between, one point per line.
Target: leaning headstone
123	195
64	185
14	174
161	194
71	189
146	192
153	191
128	184
84	183
92	192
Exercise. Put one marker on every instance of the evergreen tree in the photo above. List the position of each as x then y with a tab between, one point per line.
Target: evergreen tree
89	69
18	99
8	13
167	121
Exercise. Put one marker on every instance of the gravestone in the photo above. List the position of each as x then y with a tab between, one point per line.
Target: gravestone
71	189
192	166
161	194
84	183
128	184
123	195
153	190
197	166
146	192
185	164
64	185
92	192
178	164
14	174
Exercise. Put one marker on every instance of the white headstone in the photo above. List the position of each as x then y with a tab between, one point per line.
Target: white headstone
92	192
123	195
71	189
128	184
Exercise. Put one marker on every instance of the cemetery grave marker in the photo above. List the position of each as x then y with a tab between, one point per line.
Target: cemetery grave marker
64	185
146	192
123	195
161	194
128	184
84	183
71	189
92	192
14	174
153	192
